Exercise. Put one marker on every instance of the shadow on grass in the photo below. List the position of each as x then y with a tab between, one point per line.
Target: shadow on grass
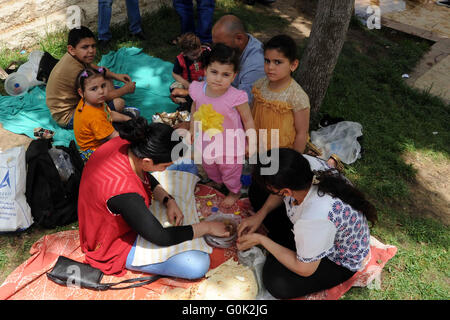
368	88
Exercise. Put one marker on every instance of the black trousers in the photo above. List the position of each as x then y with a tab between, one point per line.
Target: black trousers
281	282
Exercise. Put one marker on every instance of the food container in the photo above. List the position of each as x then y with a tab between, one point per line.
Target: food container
232	221
173	118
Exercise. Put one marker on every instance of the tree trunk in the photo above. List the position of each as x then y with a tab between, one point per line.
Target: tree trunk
323	48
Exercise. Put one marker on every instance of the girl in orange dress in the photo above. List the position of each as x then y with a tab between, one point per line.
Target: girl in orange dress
92	121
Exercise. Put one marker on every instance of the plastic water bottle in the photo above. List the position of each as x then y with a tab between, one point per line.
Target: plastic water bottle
246	177
16	84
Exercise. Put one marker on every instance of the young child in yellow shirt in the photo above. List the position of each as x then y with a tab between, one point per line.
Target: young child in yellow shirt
280	103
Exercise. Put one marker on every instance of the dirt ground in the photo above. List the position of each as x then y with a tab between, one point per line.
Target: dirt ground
431	190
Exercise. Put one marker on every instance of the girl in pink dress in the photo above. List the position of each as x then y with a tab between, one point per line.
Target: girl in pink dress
220	117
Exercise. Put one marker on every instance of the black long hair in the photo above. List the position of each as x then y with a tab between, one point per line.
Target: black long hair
78	34
294	172
155	140
283	43
87	73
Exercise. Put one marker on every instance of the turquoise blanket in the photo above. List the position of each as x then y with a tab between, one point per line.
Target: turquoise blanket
153	77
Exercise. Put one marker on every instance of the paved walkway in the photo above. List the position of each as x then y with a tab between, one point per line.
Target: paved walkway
429	21
433	71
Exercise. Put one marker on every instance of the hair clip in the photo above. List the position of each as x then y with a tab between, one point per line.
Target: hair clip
84	74
315	180
100	69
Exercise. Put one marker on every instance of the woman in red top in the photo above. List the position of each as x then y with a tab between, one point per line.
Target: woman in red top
115	193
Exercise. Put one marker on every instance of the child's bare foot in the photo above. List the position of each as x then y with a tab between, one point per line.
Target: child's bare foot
230	200
332	163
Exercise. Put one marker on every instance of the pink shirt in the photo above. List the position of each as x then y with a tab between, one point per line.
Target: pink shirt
233	134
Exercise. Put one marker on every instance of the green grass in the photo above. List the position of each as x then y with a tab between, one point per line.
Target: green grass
366	87
394	117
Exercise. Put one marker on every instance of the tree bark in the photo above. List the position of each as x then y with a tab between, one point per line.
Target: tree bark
322	51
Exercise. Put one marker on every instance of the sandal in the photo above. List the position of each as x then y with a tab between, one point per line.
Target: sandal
42	133
339	164
311	149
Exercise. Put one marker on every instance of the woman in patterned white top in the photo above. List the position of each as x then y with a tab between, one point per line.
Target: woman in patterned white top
326	239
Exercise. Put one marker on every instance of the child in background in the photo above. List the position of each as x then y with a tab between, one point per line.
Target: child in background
219	106
93	118
188	67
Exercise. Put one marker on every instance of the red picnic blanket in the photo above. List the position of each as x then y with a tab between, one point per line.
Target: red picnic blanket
29	280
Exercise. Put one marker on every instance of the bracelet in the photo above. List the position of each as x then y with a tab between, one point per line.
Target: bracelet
166	199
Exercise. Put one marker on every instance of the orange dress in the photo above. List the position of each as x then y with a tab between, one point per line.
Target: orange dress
275	110
91	125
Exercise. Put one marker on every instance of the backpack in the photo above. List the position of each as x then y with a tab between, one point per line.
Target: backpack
53	202
46	66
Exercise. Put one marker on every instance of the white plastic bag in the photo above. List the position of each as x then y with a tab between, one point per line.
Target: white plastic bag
254	258
62	162
339	138
15	213
31	67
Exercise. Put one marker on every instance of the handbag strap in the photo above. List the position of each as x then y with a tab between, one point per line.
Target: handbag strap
142	281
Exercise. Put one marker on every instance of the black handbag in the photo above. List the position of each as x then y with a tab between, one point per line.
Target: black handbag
68	272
